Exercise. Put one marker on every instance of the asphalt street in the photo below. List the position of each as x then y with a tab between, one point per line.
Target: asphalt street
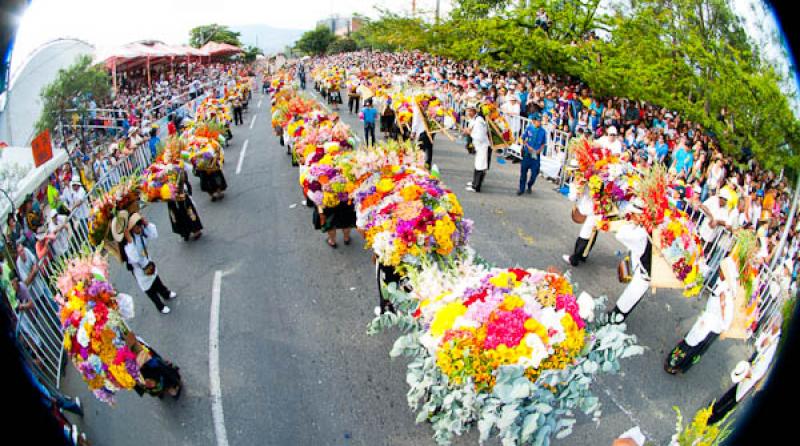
296	366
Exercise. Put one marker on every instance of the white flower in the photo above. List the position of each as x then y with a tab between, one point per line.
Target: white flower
429	342
462	322
586	306
538	351
83	337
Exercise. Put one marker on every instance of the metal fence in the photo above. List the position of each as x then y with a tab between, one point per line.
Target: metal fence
39	330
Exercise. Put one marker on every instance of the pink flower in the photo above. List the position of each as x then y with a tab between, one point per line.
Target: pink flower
505	327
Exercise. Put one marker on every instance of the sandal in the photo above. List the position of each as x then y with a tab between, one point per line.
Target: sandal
332	244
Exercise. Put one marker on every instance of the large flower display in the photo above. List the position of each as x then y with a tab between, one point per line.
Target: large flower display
94	331
123	196
610	180
682	248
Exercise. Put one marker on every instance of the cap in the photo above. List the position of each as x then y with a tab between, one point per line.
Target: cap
725	193
612	130
535	117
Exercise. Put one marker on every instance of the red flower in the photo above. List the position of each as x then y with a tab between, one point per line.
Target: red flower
519	273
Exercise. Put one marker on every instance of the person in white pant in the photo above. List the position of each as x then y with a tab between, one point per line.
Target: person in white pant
636	239
588	232
479	133
717	317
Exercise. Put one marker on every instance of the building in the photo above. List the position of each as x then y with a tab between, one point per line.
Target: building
341	26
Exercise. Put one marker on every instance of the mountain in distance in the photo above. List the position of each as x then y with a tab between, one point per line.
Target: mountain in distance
270	39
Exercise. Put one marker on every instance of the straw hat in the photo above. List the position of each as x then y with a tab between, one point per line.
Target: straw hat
739	372
135	218
118	225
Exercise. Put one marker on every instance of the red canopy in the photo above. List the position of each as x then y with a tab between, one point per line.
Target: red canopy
221	49
136	54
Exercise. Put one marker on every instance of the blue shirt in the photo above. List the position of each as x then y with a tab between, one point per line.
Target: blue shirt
154	145
369	115
533	139
661	151
683	160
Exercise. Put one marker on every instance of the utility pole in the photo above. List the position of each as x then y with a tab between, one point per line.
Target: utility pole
437	12
413	8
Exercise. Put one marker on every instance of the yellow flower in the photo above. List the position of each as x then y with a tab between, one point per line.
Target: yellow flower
533	326
385	185
504	279
512	301
446	317
411	192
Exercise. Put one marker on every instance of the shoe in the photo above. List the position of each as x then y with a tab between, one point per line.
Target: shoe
470	188
519	192
565	257
347	242
173	295
165	310
80	406
529	191
469	184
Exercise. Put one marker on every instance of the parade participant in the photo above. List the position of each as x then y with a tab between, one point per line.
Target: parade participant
588	232
636	239
212	180
717	317
369	114
133	232
76	199
533	141
352	97
748	374
420	135
159	375
236	103
342	216
182	212
385	274
479	133
388	126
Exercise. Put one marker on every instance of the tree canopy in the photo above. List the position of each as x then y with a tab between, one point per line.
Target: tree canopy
316	41
690	56
72	88
200	35
250	53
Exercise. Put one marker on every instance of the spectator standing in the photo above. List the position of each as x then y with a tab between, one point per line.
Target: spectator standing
533	141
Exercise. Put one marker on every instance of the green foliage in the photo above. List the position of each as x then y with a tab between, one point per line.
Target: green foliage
250	53
316	41
690	56
200	35
70	90
699	432
342	45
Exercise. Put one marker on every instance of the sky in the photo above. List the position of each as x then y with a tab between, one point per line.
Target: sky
109	23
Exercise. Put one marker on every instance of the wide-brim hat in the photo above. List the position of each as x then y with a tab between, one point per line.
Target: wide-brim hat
739	372
118	226
133	220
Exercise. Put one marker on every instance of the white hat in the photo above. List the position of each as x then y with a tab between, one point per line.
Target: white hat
75	182
52	213
725	193
612	130
738	373
118	225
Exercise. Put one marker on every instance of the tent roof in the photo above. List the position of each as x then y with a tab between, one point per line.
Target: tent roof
137	53
221	49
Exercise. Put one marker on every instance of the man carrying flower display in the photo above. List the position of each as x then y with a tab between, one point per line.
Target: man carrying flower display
533	140
421	135
717	318
588	232
636	239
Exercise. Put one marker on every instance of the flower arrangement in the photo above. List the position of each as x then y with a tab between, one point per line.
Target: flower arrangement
509	350
499	128
123	196
160	181
610	180
403	108
212	109
699	432
683	250
651	189
436	113
205	153
329	181
407	215
94	331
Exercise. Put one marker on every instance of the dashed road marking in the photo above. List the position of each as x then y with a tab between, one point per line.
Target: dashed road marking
253	122
215	385
241	156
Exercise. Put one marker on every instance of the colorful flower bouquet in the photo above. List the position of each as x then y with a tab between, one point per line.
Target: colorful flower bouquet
94	331
212	109
403	109
205	153
123	196
438	116
408	215
610	180
160	181
651	189
511	351
499	128
330	181
683	250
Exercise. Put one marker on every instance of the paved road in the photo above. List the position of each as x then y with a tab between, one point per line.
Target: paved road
296	365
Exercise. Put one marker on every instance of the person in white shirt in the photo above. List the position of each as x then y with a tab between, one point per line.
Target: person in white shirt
510	109
717	317
611	141
76	199
133	233
748	374
421	135
717	214
588	232
57	225
479	132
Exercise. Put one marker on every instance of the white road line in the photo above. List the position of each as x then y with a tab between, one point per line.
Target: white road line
213	363
253	122
241	156
259	103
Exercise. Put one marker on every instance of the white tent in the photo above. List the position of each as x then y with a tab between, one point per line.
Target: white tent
31	177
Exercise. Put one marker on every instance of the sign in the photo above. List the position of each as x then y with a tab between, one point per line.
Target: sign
42	148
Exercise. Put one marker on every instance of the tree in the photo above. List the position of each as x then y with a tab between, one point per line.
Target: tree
342	45
250	53
71	89
316	41
200	35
